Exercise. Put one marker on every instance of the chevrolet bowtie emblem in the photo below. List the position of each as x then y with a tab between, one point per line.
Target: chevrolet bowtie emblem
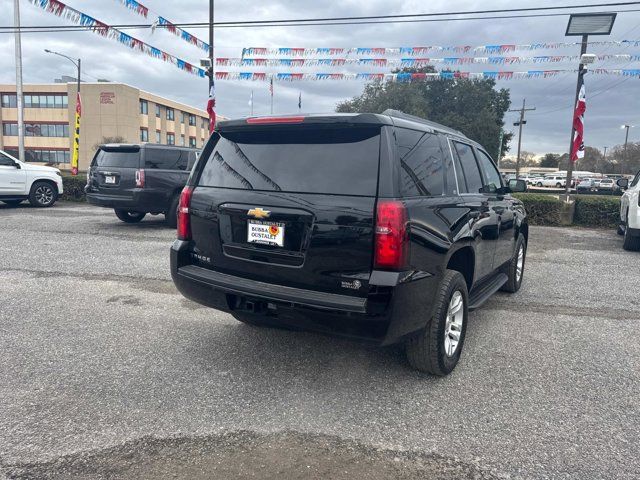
258	213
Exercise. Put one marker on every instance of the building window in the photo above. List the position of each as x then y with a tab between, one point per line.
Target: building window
205	124
144	135
182	140
171	139
158	139
170	114
144	107
35	100
10	129
157	110
37	129
192	120
192	142
37	155
182	114
9	100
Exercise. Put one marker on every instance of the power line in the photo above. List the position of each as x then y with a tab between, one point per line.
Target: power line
357	20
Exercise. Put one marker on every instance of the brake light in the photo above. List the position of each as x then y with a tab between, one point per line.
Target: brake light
184	221
140	178
392	238
265	120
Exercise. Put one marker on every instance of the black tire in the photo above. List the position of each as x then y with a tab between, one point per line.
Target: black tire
43	194
630	243
12	203
426	351
171	217
515	281
129	217
620	230
558	185
539	184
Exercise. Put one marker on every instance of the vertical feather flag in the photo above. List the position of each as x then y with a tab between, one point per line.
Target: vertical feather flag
577	151
300	101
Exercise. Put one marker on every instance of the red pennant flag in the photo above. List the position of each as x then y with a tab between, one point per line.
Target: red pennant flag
577	151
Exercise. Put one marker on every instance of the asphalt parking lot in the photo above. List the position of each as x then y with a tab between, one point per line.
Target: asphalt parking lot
107	372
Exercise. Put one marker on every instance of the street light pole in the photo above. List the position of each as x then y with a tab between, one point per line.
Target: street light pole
19	92
76	135
583	25
581	72
604	159
211	54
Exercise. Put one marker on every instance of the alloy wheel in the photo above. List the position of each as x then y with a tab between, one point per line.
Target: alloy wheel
453	326
44	195
520	263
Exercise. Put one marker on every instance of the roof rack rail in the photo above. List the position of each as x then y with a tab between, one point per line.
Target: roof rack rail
405	116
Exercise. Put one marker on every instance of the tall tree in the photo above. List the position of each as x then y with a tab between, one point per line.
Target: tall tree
475	107
550	160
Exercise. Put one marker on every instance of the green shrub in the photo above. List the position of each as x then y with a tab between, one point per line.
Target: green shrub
542	209
597	211
74	187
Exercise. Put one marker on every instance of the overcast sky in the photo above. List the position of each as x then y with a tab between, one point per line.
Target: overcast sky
612	100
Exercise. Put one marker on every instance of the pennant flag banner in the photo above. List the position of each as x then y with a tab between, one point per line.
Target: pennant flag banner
407	62
411	77
183	34
140	9
416	51
136	7
74	16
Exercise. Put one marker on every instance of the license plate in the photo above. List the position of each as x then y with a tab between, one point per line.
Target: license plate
267	233
109	179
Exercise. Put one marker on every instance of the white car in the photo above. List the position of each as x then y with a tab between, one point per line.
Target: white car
557	181
21	181
606	184
630	213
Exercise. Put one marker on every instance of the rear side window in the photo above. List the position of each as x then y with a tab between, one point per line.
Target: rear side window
120	157
471	177
296	159
491	175
166	159
421	163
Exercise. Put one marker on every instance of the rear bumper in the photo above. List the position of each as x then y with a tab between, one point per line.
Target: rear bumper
137	200
386	317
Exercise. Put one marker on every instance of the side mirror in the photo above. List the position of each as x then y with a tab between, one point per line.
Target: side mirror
623	183
17	165
517	185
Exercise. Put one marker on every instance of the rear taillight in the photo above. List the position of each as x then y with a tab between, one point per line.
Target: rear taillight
392	236
140	178
184	221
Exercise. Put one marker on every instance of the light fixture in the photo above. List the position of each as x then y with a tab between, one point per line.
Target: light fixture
590	24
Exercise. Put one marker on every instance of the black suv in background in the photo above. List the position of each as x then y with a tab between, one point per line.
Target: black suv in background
387	228
138	179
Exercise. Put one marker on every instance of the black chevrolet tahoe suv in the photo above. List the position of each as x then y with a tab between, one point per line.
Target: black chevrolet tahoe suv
379	227
138	179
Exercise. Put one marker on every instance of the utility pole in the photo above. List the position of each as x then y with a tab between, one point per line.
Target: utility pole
624	154
19	92
519	124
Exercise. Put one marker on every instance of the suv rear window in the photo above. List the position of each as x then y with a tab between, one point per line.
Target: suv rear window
120	157
296	159
168	159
